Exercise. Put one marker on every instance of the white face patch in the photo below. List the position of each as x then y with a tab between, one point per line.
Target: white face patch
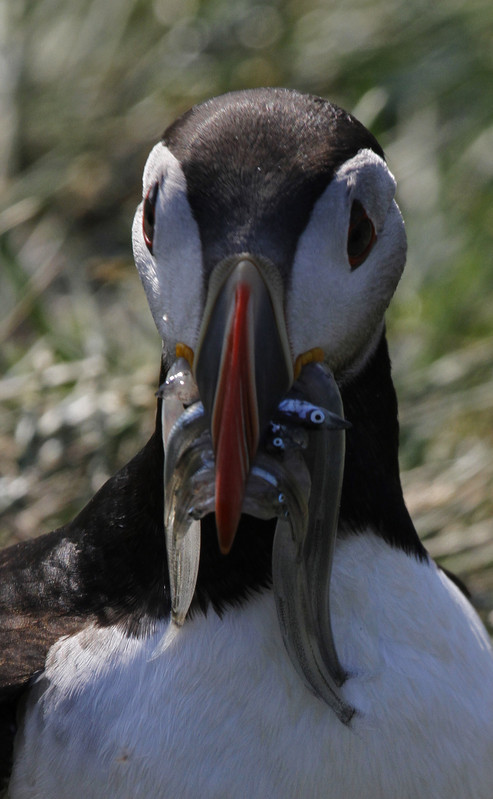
172	274
328	304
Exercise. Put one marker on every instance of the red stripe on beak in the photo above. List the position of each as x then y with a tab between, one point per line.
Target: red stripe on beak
235	422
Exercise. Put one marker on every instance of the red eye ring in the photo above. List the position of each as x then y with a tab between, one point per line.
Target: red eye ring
149	215
361	235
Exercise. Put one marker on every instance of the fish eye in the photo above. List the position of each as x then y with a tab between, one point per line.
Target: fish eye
149	215
317	417
361	235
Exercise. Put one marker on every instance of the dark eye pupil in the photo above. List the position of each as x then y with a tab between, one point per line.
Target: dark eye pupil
149	216
359	238
361	235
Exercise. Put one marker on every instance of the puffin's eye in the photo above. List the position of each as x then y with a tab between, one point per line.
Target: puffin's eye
361	235
149	215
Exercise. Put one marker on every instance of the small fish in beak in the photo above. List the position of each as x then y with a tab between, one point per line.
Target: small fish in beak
300	485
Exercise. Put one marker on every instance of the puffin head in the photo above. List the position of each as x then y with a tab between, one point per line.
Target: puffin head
268	238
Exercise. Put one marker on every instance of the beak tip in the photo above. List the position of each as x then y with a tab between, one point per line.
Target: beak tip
227	521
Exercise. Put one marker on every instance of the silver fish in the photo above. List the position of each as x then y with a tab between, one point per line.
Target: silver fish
179	383
303	412
302	557
182	462
296	477
281	437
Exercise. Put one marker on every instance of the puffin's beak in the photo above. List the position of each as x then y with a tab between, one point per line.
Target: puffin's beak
243	369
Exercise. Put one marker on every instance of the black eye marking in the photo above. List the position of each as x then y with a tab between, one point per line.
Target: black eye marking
149	215
361	235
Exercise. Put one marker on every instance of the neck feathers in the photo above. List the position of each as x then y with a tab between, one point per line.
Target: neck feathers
372	493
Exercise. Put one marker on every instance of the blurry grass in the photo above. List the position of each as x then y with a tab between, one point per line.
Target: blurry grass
87	88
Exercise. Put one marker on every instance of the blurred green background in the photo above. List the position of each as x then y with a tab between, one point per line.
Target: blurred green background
87	87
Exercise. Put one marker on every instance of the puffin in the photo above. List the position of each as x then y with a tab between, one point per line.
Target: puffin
245	609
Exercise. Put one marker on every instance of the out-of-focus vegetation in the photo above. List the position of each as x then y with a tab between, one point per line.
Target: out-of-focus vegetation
87	87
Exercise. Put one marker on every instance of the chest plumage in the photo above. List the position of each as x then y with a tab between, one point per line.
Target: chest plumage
227	716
